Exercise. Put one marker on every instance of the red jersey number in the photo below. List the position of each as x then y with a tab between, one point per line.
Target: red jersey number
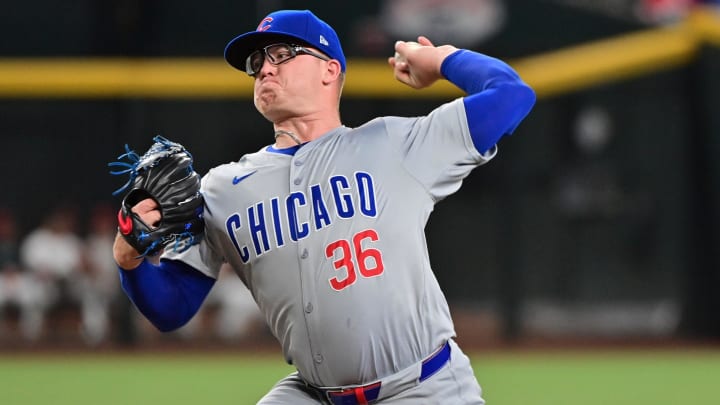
368	259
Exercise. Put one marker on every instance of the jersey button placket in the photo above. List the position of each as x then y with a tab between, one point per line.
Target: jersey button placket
306	287
296	172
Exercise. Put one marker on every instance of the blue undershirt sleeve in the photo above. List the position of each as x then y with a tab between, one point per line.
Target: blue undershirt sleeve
497	99
169	294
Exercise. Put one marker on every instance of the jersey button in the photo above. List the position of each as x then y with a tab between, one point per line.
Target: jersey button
298	163
304	254
318	358
297	182
309	307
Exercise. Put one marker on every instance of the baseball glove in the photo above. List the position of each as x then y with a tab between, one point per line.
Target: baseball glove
165	174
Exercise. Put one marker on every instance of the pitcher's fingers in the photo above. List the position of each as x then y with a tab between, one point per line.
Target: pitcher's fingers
152	218
145	205
402	76
423	40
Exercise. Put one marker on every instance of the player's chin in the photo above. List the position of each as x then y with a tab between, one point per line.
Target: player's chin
264	103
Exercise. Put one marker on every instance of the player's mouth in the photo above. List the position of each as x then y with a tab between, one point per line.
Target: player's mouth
268	79
265	87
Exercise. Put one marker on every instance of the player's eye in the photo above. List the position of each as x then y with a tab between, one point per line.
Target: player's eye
279	53
275	54
254	62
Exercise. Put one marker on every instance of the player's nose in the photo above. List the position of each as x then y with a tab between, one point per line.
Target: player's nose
266	68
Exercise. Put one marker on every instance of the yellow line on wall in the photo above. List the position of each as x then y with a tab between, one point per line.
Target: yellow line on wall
116	77
552	73
607	61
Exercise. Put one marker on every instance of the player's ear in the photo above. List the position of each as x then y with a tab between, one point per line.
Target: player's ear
332	72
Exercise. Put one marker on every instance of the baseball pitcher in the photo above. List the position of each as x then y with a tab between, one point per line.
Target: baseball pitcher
325	226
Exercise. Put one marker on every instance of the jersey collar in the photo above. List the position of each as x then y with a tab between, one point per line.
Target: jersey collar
285	151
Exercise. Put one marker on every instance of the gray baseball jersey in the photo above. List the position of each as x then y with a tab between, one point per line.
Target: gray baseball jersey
330	240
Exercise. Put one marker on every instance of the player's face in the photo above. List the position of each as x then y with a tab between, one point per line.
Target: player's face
287	83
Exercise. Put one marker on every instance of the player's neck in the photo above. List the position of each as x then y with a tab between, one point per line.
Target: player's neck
292	132
281	142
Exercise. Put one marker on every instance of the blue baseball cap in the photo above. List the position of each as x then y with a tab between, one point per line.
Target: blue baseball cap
299	27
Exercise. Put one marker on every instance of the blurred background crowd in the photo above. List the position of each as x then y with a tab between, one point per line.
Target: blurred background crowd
59	284
600	218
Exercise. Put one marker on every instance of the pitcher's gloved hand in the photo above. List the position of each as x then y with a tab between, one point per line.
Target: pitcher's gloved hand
165	174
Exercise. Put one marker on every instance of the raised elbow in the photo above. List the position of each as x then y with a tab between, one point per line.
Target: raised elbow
526	97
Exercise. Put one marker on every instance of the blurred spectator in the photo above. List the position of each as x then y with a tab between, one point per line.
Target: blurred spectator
609	221
589	198
53	254
17	289
588	188
98	283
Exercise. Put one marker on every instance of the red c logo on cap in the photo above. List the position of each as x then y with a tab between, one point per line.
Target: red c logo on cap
264	24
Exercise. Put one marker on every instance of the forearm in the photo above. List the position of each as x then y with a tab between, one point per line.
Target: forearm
125	255
497	100
474	72
168	294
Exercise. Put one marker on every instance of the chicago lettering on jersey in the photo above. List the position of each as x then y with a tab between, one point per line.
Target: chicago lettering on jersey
303	212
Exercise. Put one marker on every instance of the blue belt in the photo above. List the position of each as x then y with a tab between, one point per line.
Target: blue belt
368	394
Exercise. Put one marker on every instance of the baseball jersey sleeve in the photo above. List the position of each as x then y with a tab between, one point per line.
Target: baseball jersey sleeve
168	294
442	148
498	100
437	149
